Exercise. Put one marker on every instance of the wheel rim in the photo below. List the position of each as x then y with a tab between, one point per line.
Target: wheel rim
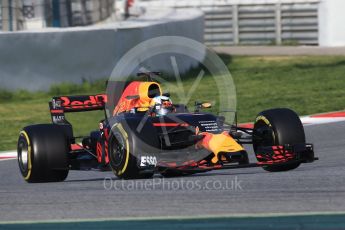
118	150
23	154
263	135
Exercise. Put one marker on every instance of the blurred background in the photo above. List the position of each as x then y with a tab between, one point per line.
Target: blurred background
227	22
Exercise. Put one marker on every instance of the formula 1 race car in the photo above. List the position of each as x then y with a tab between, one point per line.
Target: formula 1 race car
144	133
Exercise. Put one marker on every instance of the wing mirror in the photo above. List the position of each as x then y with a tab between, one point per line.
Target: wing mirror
206	105
202	105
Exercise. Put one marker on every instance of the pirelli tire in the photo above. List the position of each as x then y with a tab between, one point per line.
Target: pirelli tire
278	127
42	153
123	163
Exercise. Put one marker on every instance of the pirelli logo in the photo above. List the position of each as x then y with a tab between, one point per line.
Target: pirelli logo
264	119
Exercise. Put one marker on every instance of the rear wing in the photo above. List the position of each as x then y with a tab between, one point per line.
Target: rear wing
66	104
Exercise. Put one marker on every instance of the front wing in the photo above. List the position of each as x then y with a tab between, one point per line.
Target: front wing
267	156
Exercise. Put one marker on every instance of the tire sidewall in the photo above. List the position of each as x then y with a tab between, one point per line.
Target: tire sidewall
119	168
128	168
286	125
47	153
24	142
287	129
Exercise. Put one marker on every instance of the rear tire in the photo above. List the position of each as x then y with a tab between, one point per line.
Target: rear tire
42	153
123	163
278	127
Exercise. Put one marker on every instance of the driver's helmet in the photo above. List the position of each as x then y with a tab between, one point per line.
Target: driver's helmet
162	105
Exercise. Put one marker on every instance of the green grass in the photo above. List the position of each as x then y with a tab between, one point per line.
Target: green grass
305	84
21	108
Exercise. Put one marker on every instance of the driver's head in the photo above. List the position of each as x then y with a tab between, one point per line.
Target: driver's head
162	105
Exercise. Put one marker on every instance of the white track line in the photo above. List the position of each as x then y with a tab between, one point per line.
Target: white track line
320	120
316	119
8	155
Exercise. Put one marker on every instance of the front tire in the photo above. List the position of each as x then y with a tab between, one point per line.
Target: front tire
278	127
42	153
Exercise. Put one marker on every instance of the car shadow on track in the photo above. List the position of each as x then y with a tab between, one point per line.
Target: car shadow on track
90	180
225	174
207	174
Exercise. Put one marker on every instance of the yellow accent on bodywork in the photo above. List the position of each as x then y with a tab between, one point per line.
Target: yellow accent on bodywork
144	90
144	100
222	142
27	177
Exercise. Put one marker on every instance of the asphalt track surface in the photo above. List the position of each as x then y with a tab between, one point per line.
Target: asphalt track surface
318	187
